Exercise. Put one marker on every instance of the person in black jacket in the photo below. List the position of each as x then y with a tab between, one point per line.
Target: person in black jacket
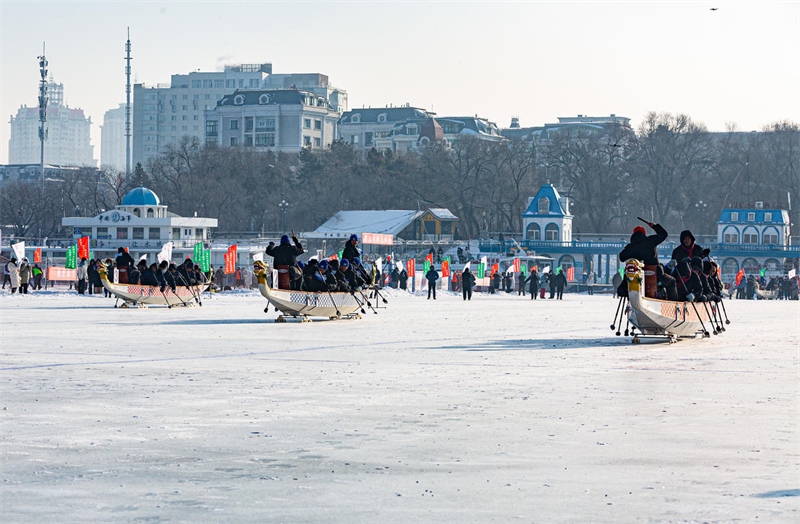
687	247
284	256
171	276
467	282
689	286
403	278
185	278
561	283
643	247
534	283
521	283
432	275
350	251
124	263
316	282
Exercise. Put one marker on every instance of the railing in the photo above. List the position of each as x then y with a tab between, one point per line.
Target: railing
615	247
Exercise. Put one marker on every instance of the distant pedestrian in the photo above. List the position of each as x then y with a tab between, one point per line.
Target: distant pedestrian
24	276
37	277
521	283
6	275
403	278
13	273
82	273
467	282
432	275
533	280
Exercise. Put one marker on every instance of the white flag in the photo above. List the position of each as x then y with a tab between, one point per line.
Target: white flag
379	265
399	266
143	257
466	266
19	250
546	270
166	253
792	273
258	257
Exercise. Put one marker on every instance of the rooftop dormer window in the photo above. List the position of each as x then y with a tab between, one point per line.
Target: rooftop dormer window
382	118
751	217
264	99
734	216
767	217
355	119
238	100
543	206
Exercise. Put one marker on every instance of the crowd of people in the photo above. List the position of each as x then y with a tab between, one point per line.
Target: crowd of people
19	275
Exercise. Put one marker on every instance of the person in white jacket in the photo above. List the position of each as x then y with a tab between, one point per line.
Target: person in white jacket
13	272
82	272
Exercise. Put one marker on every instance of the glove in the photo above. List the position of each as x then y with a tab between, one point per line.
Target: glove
652	225
163	288
706	252
690	297
702	298
272	244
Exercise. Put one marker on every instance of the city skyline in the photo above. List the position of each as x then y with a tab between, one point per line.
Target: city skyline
537	61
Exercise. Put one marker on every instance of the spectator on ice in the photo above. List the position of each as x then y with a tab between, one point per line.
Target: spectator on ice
13	274
432	276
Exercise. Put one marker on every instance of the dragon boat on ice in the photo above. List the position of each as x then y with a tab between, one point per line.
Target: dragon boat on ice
663	318
306	304
142	296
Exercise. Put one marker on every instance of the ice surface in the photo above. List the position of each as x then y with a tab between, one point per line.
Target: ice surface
497	410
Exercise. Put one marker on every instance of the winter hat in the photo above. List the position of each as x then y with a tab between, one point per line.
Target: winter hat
163	264
639	229
356	261
333	264
639	234
354	237
300	265
323	265
285	239
707	267
683	269
344	263
697	262
685	234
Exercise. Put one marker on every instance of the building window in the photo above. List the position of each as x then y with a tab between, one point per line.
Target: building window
317	142
355	119
234	125
234	141
750	236
196	84
306	141
230	83
198	233
176	233
219	84
248	140
767	217
150	213
534	233
367	139
154	233
238	100
102	232
751	217
263	99
354	139
265	139
734	216
730	238
543	206
382	118
248	124
122	233
211	128
264	124
306	123
318	124
770	238
138	233
208	83
412	130
253	82
241	82
551	232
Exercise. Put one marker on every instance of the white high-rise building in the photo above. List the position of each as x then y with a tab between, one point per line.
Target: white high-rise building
167	112
68	134
112	138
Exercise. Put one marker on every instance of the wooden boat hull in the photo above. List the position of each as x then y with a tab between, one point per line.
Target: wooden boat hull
308	304
662	317
152	295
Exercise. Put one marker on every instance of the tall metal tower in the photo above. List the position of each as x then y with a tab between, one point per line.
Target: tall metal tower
42	110
128	106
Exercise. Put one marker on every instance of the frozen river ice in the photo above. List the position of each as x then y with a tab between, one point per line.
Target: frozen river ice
496	410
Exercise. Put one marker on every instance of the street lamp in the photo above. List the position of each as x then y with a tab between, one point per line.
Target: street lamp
282	205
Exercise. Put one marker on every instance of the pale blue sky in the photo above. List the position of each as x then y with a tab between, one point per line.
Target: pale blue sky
537	60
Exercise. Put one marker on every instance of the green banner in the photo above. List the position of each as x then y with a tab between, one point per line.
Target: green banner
523	268
426	266
481	269
72	257
205	260
198	252
763	271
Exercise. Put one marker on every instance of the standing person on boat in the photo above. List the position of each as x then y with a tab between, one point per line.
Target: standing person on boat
432	276
285	255
350	251
467	283
645	248
687	247
124	263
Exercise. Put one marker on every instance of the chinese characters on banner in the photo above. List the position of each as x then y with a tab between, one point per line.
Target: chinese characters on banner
446	267
570	274
333	257
197	255
516	265
62	273
72	257
377	239
166	253
230	259
205	261
37	256
83	247
495	269
410	267
19	250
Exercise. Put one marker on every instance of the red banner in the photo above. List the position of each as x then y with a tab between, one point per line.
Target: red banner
377	238
570	274
230	262
445	268
233	251
333	257
83	248
62	273
516	265
37	256
495	269
411	266
739	276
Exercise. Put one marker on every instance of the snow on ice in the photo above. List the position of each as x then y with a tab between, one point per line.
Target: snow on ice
495	410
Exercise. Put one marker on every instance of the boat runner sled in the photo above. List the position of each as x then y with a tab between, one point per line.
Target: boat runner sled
305	304
142	296
663	318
